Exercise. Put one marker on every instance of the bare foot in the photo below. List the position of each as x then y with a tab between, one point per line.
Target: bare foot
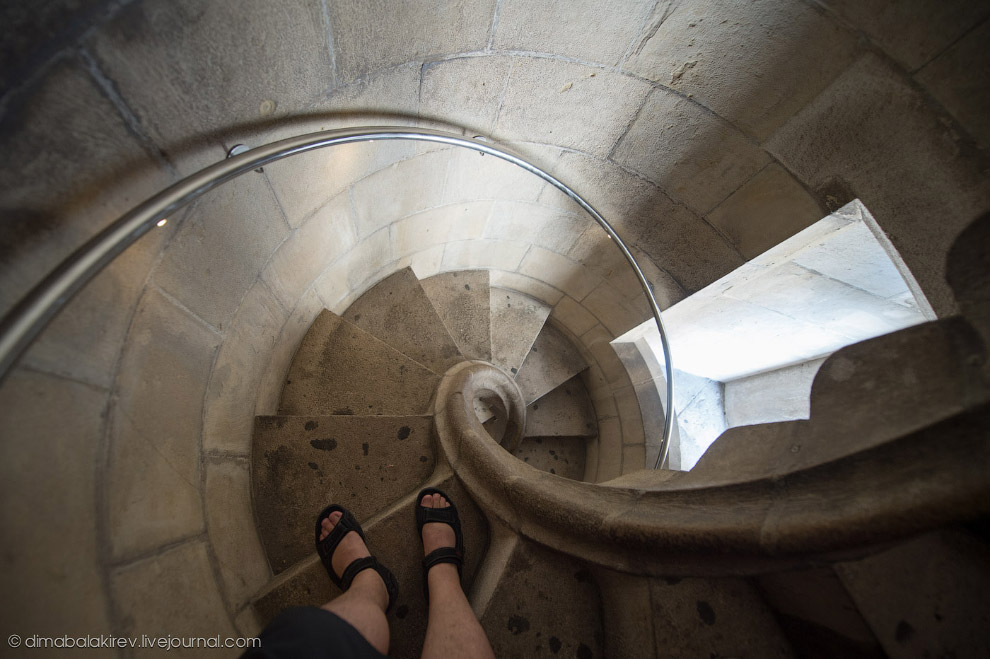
437	534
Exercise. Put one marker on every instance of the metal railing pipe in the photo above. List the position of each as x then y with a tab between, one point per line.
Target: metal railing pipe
22	324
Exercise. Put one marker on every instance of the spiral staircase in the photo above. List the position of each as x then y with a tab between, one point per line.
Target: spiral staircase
362	419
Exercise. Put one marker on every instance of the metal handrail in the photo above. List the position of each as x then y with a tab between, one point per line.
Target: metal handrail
33	313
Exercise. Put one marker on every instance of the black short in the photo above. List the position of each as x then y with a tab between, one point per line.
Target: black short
306	631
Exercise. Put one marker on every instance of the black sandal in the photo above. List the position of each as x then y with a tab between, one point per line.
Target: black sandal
328	545
447	516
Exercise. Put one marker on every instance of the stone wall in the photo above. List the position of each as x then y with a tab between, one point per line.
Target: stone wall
126	424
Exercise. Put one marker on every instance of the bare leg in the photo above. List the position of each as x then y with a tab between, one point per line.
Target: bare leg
364	603
453	630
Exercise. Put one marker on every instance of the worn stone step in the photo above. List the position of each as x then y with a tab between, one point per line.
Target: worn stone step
647	617
563	456
341	369
567	411
392	538
397	311
301	464
516	321
552	361
463	302
545	605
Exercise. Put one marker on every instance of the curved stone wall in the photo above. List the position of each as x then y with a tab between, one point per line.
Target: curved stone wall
706	133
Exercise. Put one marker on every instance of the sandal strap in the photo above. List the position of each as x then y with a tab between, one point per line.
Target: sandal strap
443	555
442	515
326	547
366	563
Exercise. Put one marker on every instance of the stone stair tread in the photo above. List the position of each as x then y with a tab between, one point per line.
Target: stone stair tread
462	300
563	456
398	311
301	464
565	411
341	369
516	321
545	605
551	361
392	538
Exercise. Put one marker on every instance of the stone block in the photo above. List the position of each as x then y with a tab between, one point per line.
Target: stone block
585	30
560	272
400	190
873	130
301	464
437	226
398	312
693	155
156	424
721	617
53	431
534	288
668	232
607	304
597	341
483	254
551	361
465	91
291	335
71	166
425	263
765	211
911	32
561	456
187	601
474	176
779	395
753	64
463	302
926	596
566	411
387	97
307	251
372	35
629	414
959	79
244	356
545	605
573	316
626	615
241	562
534	224
516	321
567	104
609	449
84	340
354	268
634	458
221	246
199	54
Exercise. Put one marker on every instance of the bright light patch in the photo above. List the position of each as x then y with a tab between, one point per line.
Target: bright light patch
162	222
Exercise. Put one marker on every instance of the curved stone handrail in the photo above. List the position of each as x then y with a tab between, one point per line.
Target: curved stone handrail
825	512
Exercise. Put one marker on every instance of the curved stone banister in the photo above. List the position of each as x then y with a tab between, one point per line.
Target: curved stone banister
917	482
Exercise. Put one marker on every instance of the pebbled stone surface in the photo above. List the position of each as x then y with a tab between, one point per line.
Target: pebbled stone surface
462	300
303	464
551	362
399	313
516	322
341	369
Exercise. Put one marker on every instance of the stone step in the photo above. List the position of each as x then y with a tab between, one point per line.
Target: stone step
551	361
341	369
463	302
397	311
392	538
563	456
516	321
545	604
649	617
567	411
301	464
